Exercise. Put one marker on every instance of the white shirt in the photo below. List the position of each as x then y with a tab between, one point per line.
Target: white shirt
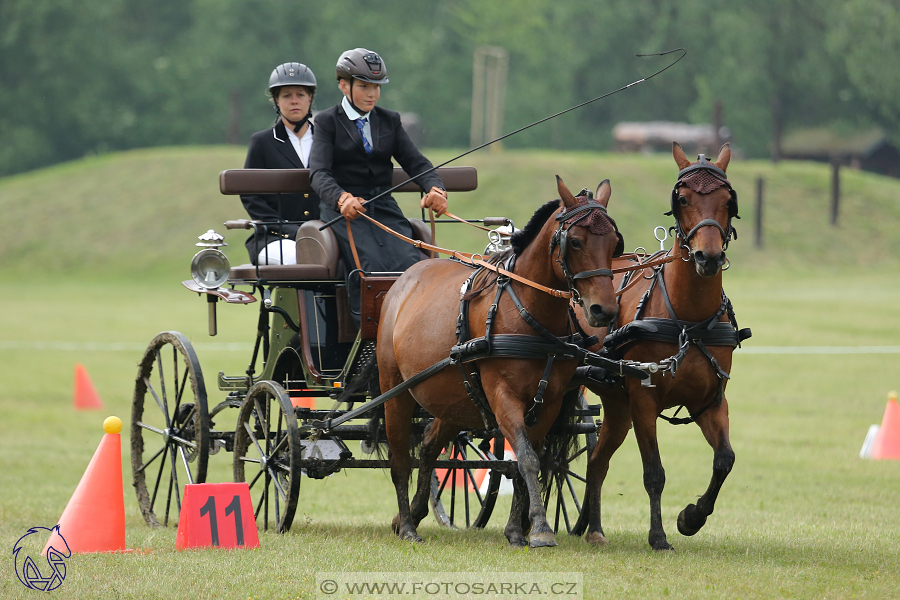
353	115
301	145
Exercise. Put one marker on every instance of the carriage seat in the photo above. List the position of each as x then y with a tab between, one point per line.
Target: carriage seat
318	255
316	247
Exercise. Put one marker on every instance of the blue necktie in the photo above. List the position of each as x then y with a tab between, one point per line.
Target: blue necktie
360	124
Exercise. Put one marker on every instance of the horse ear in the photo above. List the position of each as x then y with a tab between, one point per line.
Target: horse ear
680	159
604	191
564	193
724	157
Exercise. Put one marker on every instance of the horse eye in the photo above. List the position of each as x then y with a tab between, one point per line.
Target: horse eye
576	243
682	200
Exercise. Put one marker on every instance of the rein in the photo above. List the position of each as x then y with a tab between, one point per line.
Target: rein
478	260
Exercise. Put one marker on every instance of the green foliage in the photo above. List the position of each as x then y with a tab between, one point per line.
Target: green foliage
99	75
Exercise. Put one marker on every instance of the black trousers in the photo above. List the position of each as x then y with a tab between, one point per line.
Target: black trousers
378	250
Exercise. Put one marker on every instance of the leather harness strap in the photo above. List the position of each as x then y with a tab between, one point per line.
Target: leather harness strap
710	331
470	259
353	244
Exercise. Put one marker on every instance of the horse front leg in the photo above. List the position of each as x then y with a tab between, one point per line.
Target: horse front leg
714	425
644	414
436	439
518	525
613	431
529	467
398	418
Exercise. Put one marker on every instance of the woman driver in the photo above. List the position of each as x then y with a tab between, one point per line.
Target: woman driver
287	145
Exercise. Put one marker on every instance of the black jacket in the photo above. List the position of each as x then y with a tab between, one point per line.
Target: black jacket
272	149
339	162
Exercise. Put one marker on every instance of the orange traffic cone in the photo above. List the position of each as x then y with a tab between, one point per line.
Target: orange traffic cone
85	395
94	518
887	442
303	402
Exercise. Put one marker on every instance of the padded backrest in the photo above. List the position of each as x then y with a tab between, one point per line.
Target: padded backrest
296	181
316	247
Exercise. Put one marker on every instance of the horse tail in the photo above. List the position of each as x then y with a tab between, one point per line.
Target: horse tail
560	442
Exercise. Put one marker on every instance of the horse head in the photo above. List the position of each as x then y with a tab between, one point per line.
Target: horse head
703	204
586	240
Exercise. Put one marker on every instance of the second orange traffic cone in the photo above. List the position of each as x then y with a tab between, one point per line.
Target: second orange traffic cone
887	441
94	518
85	395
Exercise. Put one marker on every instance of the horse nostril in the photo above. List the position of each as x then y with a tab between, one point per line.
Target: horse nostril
700	257
599	314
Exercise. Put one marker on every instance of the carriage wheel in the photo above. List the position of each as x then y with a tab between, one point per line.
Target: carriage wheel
267	453
562	500
469	494
217	439
169	427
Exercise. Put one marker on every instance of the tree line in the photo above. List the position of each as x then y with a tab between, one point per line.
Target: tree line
80	77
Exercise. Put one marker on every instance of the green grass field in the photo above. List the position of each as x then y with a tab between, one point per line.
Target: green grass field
801	516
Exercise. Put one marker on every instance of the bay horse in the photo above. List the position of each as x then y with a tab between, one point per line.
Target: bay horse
679	313
568	243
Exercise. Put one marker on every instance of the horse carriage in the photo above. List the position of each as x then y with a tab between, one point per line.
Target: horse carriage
306	346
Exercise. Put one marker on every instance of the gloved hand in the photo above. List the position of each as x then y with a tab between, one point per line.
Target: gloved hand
350	206
436	200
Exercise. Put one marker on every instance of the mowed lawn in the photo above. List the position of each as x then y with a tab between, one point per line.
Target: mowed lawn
801	516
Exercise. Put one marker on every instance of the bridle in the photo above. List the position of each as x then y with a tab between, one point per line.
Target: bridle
728	232
568	219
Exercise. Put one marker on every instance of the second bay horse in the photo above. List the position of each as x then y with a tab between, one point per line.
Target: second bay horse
679	312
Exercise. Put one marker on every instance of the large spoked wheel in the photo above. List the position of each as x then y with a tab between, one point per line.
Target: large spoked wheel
467	495
267	454
169	427
563	498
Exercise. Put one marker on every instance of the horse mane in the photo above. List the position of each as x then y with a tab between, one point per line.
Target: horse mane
521	239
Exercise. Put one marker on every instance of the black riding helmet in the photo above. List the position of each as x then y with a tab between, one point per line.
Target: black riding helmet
361	64
292	74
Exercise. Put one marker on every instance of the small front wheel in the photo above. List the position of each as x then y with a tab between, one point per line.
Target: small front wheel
267	454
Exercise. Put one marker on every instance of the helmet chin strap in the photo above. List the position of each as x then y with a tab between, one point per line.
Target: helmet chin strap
350	99
296	125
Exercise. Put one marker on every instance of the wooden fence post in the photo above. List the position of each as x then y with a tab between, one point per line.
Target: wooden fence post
758	238
835	189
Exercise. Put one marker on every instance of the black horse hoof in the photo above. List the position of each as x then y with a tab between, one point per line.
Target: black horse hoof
690	521
411	536
660	544
517	541
542	540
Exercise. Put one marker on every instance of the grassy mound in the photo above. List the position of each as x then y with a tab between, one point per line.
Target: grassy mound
138	213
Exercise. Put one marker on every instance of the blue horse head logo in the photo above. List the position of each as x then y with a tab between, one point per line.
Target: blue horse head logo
52	575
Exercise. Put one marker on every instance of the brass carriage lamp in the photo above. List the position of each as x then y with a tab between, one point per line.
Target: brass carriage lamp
210	269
